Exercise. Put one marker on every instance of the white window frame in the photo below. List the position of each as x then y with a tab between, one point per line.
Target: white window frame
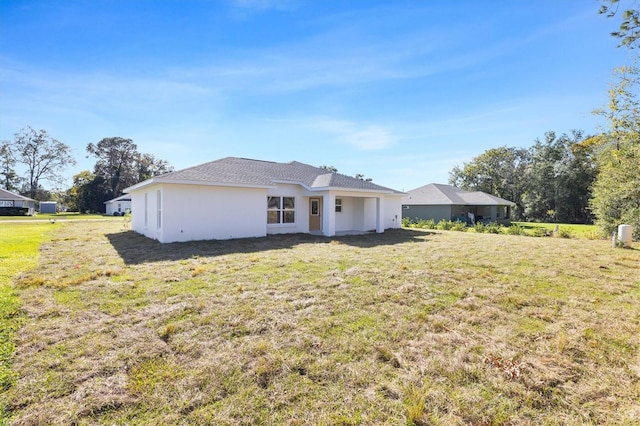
159	210
338	205
281	210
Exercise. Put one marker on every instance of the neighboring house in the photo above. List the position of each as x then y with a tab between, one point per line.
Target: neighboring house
239	198
118	206
445	202
11	203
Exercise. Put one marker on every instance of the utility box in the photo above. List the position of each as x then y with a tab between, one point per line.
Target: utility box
625	233
48	206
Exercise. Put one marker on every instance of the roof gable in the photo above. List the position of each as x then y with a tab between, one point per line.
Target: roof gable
8	195
439	194
123	197
235	171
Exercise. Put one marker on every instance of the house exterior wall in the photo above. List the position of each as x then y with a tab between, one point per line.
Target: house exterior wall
111	208
31	205
181	212
144	213
392	212
360	213
351	218
426	212
455	212
301	209
173	212
19	203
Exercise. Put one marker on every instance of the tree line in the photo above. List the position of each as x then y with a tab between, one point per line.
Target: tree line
549	182
118	165
571	178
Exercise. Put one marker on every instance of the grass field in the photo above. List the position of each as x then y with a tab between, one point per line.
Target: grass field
406	327
19	246
570	230
57	216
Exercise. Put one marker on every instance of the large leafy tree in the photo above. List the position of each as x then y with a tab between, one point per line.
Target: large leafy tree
10	179
89	192
497	171
44	157
629	30
149	166
121	165
118	165
548	182
559	179
616	192
116	162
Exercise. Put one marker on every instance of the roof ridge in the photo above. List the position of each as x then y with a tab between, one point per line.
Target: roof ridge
252	159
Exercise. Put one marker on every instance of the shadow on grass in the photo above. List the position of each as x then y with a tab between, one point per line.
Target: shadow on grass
135	248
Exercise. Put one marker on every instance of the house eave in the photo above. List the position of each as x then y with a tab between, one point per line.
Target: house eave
342	189
459	204
337	188
158	181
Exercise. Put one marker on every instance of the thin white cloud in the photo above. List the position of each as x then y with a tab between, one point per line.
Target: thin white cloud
365	137
246	9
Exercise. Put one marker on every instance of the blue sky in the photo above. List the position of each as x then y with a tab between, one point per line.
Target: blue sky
400	91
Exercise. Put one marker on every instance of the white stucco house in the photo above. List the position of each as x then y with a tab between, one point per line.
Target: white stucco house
119	205
240	198
446	202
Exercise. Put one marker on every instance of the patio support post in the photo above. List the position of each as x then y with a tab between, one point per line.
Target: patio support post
379	220
329	215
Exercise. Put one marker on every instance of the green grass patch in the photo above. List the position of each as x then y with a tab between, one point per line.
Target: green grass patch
564	230
58	216
19	245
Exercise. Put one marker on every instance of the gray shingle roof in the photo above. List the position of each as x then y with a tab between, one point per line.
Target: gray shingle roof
123	197
438	194
243	171
8	195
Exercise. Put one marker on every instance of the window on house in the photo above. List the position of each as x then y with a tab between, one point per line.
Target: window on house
6	203
159	201
281	209
338	205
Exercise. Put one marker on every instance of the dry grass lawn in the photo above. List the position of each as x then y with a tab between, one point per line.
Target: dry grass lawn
406	327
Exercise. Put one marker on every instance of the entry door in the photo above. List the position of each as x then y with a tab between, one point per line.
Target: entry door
315	214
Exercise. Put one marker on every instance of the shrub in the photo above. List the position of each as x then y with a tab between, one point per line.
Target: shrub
564	233
539	232
480	227
493	228
516	230
459	226
444	225
418	223
427	224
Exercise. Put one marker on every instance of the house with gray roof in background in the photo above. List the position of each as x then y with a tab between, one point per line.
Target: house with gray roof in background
118	206
445	202
239	198
12	204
